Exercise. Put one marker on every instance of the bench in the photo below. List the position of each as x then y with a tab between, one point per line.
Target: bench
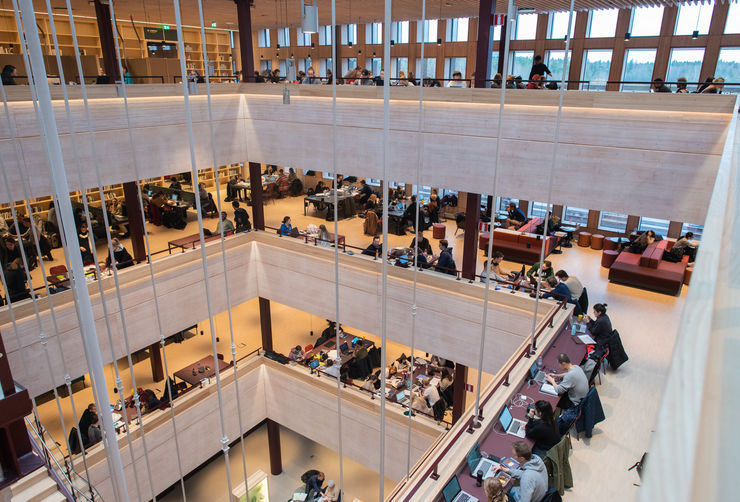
648	270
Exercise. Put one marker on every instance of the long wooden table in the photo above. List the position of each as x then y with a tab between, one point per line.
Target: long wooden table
190	372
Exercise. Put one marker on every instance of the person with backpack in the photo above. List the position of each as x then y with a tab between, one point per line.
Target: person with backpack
241	218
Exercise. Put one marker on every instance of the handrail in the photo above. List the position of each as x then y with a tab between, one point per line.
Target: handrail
63	475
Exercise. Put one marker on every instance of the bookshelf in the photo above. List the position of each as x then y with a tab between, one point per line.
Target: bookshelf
40	205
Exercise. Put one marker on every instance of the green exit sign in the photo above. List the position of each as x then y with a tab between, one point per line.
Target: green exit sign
166	27
213	24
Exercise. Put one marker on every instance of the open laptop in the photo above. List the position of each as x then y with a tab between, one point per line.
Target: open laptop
403	398
510	424
175	197
477	462
536	374
314	364
453	493
344	348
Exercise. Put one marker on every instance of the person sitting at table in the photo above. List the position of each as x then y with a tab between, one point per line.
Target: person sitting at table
424	245
338	182
600	327
241	218
574	384
640	244
431	394
543	271
390	370
296	353
314	484
402	363
83	238
497	271
94	435
86	420
15	279
409	215
320	187
372	383
399	194
446	380
444	262
175	184
681	247
331	493
558	290
231	190
532	474
283	183
420	404
286	227
494	490
365	192
542	428
574	285
515	217
324	238
121	256
223	224
372	203
374	249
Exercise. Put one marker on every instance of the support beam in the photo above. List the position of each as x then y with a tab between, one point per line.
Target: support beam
135	220
484	48
155	358
265	323
273	445
255	182
107	42
244	17
458	391
470	244
502	50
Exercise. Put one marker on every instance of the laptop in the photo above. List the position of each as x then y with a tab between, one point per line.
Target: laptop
355	340
478	463
536	374
314	364
402	398
175	197
453	493
344	348
510	424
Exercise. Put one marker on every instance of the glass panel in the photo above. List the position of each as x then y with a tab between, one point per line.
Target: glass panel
733	18
325	35
429	29
638	67
302	39
538	209
694	17
374	65
685	63
728	67
399	64
503	203
263	38
348	64
374	33
555	60
454	64
521	63
494	65
596	69
284	37
695	229
496	35
602	23
265	64
558	27
660	227
400	32
457	30
373	182
328	175
349	34
646	21
429	68
575	216
613	222
526	26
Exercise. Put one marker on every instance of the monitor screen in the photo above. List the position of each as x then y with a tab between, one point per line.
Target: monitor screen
175	197
533	370
505	418
149	193
451	489
314	364
400	396
473	458
344	347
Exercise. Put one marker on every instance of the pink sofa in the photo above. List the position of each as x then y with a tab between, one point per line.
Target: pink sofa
522	245
648	270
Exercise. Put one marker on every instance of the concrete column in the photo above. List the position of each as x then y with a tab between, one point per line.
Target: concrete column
135	220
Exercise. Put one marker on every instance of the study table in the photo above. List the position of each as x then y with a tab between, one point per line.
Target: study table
345	199
341	240
330	345
191	374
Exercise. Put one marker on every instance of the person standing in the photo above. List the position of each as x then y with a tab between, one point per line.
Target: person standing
538	68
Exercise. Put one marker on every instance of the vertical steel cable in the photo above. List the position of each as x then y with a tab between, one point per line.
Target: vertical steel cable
56	163
550	179
419	164
336	232
384	263
484	320
223	249
106	224
194	172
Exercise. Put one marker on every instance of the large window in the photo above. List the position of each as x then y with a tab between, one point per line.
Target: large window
400	32
265	64
263	38
521	63
325	35
302	39
660	227
697	230
374	65
503	203
575	216
558	25
349	34
613	222
457	29
454	64
427	69
733	18
426	31
494	65
638	67
555	61
728	67
538	209
348	64
526	27
602	23
685	63
304	64
283	37
374	33
398	65
595	70
646	21
694	17
373	182
325	64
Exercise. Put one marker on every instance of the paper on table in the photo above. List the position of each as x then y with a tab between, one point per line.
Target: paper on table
548	389
586	339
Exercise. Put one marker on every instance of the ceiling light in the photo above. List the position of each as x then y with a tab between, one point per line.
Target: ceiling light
393	42
439	41
309	18
627	36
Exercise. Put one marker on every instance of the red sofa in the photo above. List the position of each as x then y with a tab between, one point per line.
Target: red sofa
648	270
522	245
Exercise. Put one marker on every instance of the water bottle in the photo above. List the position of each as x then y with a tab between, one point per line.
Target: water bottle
573	329
539	363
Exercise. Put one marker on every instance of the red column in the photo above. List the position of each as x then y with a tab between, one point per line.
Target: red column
484	48
458	391
470	244
135	220
255	182
244	17
107	42
273	445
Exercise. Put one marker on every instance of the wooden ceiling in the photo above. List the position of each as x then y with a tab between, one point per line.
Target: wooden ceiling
274	13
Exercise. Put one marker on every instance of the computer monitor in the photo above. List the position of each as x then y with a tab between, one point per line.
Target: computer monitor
474	457
355	340
451	489
344	348
175	197
505	418
149	193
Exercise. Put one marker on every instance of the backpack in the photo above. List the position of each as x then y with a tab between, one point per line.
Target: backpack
74	441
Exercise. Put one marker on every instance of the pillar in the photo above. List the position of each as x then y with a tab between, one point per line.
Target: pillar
502	50
155	358
470	243
458	391
484	47
246	49
255	182
273	445
107	41
135	220
265	323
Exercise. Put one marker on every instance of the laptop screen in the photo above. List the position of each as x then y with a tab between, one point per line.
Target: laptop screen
451	489
473	458
313	364
505	418
344	347
400	396
533	370
175	196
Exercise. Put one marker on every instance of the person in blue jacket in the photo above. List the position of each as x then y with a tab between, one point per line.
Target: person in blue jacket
286	227
559	291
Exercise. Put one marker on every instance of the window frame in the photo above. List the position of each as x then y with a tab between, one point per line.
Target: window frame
623	78
695	24
263	38
697	230
601	225
373	33
452	29
532	36
602	11
325	35
568	221
300	38
284	33
551	24
643	9
658	228
425	28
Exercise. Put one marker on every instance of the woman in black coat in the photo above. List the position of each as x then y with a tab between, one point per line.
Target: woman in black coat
542	428
600	326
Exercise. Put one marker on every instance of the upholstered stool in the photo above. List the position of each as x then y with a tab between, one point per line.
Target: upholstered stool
597	241
439	230
483	241
608	256
687	275
611	243
584	239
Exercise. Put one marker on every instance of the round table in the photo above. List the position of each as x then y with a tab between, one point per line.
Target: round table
570	231
612	243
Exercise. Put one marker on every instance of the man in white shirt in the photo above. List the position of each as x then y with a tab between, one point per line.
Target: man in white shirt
574	285
431	394
457	80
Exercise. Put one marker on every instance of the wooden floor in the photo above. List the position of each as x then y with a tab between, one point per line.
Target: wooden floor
647	321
